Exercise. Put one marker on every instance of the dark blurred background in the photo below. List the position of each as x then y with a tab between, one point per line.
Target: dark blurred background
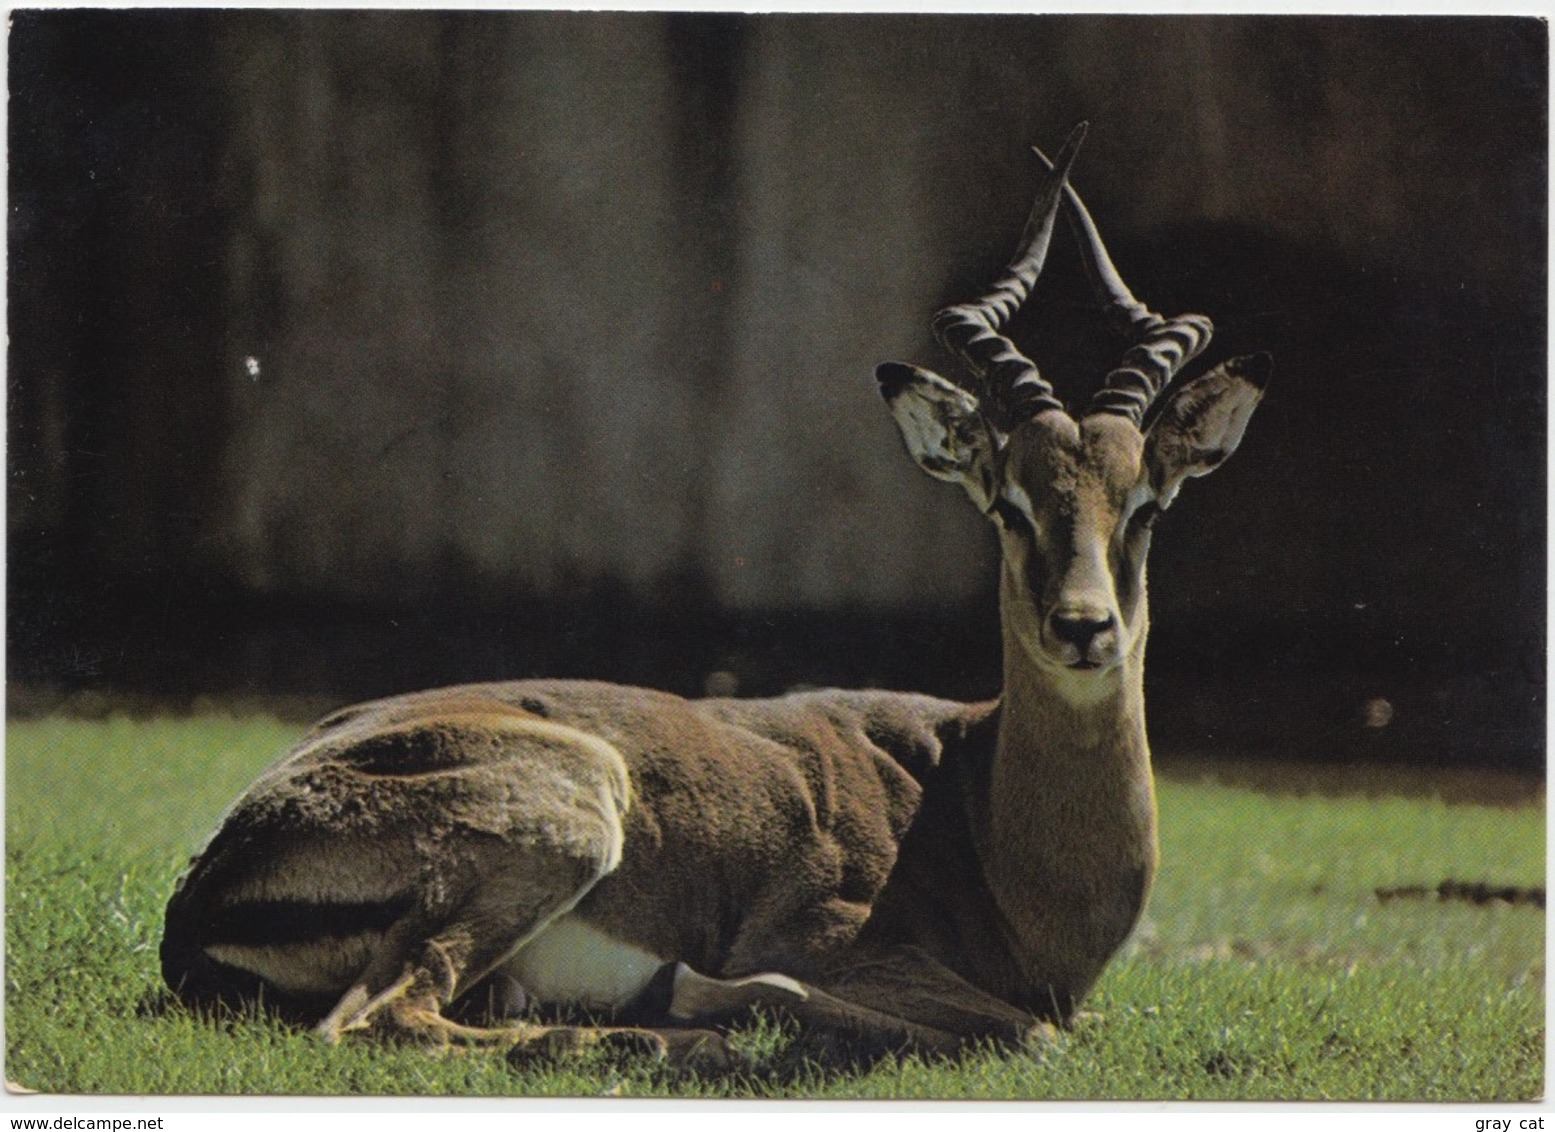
353	352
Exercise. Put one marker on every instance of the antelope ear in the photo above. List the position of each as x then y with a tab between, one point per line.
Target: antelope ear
944	431
1202	423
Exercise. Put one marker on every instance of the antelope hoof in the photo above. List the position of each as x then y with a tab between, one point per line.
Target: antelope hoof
360	1010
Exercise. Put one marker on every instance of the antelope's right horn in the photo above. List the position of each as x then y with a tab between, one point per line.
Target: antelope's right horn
1009	382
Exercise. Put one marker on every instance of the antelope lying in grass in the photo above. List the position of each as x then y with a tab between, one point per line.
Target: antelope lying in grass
897	872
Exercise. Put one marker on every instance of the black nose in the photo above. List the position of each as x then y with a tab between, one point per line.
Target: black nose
1079	627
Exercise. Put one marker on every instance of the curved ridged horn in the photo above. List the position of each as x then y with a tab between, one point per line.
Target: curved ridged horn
1161	345
1009	384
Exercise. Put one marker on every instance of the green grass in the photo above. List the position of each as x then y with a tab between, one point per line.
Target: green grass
1266	969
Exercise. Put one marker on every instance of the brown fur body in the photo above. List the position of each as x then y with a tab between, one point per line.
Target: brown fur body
756	836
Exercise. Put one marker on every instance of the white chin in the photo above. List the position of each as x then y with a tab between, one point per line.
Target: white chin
1085	685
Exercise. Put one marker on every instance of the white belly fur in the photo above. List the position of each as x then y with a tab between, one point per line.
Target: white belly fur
572	963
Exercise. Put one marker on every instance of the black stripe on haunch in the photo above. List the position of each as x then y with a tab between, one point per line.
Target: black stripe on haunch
204	983
269	922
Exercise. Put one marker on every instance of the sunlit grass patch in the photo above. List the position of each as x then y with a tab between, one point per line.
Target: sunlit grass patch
1267	968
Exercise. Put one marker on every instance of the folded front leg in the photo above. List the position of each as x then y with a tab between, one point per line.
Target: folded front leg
908	982
852	1027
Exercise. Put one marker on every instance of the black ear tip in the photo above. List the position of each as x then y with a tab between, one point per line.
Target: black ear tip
894	377
1254	368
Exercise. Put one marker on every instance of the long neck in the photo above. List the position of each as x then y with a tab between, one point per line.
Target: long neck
1068	834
